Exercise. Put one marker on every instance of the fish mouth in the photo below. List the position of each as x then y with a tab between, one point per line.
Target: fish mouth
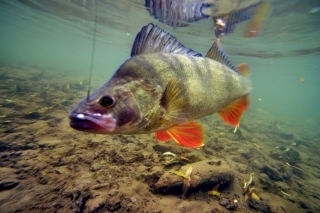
92	122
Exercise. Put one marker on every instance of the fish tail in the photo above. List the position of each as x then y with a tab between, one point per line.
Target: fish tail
254	26
232	113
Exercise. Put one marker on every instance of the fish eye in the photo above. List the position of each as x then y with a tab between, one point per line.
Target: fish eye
107	101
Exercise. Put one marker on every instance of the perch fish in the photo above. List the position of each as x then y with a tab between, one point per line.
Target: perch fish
163	87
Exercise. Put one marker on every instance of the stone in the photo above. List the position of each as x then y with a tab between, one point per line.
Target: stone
272	173
260	206
224	202
133	199
203	177
6	185
113	192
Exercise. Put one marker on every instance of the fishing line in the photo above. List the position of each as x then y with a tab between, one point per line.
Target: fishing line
93	47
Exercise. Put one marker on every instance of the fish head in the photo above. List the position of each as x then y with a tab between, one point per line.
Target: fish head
112	109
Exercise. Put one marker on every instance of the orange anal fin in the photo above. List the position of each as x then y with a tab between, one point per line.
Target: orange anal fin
162	135
255	24
189	134
233	112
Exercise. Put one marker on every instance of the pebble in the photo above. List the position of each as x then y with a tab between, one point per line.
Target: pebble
224	202
113	192
133	199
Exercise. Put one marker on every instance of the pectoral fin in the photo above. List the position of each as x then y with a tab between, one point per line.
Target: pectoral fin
174	100
189	134
233	112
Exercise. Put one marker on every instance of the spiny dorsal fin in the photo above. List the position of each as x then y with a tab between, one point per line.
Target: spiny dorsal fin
173	100
152	39
217	53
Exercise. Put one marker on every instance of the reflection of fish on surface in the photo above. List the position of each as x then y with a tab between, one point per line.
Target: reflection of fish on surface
225	13
163	88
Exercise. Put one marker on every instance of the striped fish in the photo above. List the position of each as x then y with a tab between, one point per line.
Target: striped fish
226	14
163	87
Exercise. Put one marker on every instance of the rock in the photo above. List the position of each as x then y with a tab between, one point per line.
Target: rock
116	157
161	148
43	181
303	204
6	185
133	199
232	206
113	192
114	203
224	202
203	177
96	167
286	135
96	203
272	173
148	164
282	185
292	156
100	186
32	115
4	146
260	206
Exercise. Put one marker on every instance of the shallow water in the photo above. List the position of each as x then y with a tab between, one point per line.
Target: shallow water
46	50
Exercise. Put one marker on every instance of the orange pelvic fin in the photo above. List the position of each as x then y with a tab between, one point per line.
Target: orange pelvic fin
254	26
162	135
233	112
189	134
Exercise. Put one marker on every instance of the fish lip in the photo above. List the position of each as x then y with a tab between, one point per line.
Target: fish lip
92	122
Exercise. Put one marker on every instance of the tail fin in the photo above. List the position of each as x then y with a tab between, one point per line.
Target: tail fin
254	26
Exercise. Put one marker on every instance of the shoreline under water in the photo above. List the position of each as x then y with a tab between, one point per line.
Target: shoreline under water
45	166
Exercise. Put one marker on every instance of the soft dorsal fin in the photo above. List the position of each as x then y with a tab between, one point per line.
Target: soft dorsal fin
217	53
152	39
